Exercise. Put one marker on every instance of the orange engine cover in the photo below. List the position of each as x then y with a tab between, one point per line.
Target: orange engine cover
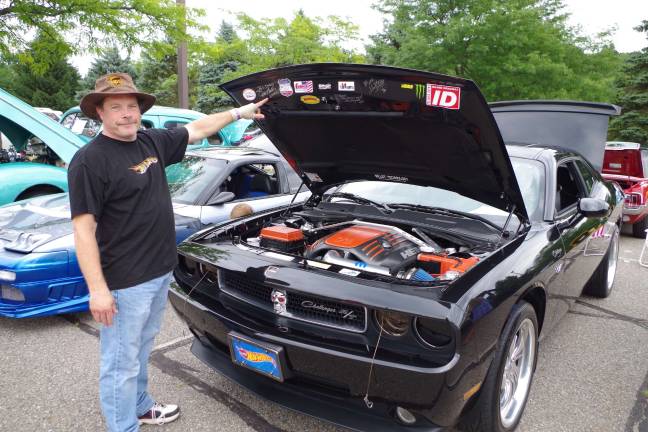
282	234
439	264
354	236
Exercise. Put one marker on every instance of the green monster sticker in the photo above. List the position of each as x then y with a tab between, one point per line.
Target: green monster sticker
420	90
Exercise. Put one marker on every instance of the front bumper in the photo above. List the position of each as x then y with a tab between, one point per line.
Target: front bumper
48	297
45	284
329	383
347	412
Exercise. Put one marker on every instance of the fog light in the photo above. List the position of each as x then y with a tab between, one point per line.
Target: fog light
405	416
7	275
10	293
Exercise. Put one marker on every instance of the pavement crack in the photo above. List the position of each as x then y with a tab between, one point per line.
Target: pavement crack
83	326
173	344
184	373
637	321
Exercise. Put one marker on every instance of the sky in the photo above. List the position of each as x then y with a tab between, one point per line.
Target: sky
593	16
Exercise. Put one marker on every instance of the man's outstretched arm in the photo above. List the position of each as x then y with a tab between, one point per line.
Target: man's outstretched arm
208	126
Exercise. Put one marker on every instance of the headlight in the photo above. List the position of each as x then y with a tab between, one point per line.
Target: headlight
432	333
7	275
207	274
393	323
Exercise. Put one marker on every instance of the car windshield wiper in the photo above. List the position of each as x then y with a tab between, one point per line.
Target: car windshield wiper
359	200
444	211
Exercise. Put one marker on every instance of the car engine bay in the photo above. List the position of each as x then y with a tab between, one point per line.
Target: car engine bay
358	245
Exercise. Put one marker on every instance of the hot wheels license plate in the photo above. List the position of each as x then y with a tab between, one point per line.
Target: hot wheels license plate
258	356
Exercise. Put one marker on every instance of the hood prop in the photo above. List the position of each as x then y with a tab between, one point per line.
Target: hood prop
293	198
504	232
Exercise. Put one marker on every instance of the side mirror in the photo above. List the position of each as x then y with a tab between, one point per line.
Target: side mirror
593	207
221	198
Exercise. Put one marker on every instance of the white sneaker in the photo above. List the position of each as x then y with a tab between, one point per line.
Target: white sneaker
160	414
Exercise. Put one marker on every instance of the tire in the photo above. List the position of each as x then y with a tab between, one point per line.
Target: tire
639	228
490	413
601	282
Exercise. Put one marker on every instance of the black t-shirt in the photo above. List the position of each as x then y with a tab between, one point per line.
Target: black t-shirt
124	186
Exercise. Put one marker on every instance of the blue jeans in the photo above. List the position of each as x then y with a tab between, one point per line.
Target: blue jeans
125	349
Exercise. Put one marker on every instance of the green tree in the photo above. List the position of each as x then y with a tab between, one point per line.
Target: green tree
210	97
7	75
157	74
108	62
513	49
227	53
94	23
269	43
53	87
226	32
632	125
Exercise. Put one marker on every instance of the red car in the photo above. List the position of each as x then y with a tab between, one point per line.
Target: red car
627	164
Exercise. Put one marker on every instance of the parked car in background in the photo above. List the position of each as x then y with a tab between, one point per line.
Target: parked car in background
409	292
53	114
252	131
157	117
627	164
37	149
39	271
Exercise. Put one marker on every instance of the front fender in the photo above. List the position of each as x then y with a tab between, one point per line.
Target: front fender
17	177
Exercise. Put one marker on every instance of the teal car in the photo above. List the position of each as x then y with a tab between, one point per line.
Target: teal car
48	147
158	117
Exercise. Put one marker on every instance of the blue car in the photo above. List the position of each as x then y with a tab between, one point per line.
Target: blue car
39	272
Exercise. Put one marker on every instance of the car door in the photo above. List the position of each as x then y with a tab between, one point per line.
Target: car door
579	234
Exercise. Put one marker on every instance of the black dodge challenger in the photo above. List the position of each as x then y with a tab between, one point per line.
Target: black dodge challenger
410	291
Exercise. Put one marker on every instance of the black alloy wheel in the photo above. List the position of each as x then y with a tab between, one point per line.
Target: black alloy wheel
601	282
507	385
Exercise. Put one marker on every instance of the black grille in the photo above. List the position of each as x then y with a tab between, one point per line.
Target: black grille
301	306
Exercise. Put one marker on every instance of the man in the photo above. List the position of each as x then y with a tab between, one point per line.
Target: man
125	241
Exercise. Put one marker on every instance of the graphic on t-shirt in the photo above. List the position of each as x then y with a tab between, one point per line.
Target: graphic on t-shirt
143	166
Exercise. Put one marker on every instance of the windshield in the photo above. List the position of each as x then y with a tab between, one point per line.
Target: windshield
189	179
529	173
530	176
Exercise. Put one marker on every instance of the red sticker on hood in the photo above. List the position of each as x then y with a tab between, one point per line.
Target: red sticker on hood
443	96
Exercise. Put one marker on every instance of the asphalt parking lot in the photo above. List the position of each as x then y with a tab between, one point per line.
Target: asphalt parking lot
592	372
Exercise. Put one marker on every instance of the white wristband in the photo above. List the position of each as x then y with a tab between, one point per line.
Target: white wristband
236	115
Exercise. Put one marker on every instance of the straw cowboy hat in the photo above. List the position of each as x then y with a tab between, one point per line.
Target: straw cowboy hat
110	85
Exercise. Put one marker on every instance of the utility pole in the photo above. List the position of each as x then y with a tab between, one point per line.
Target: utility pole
183	78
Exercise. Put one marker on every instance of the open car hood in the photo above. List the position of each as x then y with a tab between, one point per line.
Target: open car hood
339	122
19	122
571	125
